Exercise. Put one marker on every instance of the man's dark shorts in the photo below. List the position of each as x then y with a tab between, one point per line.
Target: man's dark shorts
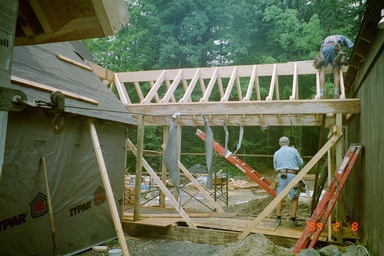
329	55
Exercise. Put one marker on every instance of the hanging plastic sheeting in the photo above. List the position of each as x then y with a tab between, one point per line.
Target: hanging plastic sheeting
240	139
171	153
227	153
208	151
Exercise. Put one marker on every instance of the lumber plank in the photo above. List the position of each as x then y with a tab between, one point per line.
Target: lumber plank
73	62
336	135
159	222
108	187
47	88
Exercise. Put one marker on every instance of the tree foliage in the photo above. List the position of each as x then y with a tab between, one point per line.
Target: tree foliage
166	34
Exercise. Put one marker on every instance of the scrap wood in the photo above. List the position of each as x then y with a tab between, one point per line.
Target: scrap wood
243	184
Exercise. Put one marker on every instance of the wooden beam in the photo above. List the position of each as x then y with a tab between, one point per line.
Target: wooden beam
235	120
336	135
230	85
295	89
124	98
283	107
52	16
238	86
113	15
209	88
263	70
148	98
47	88
108	188
172	88
272	85
101	72
163	187
250	85
192	84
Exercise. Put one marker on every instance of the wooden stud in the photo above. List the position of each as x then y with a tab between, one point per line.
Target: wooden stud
250	85
209	88
272	85
139	166
192	84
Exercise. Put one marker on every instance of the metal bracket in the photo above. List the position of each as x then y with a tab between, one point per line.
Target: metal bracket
8	99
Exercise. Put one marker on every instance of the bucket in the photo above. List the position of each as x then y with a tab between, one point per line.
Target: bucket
114	252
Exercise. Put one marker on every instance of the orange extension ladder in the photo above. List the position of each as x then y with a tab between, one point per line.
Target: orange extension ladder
320	216
246	169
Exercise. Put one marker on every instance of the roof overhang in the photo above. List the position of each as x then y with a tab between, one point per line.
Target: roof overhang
45	21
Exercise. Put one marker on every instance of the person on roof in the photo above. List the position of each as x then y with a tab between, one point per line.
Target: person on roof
330	48
286	161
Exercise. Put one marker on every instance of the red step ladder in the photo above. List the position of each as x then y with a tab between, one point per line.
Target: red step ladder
320	216
246	169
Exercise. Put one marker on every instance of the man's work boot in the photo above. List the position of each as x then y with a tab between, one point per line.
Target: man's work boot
294	223
278	221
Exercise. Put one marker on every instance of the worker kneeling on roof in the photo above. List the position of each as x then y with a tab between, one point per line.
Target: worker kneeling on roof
286	162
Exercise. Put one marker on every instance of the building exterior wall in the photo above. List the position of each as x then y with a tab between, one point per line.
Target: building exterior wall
80	210
364	191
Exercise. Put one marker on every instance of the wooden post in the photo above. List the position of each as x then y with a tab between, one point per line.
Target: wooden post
139	167
108	188
163	167
337	134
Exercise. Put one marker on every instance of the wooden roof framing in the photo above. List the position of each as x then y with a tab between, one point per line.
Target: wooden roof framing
217	93
44	21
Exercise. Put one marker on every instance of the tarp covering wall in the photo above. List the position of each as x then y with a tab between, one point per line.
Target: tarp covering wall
80	210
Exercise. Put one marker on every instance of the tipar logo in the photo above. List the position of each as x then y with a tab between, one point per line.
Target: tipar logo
39	206
99	196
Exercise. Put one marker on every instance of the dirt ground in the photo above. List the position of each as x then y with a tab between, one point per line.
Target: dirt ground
249	201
